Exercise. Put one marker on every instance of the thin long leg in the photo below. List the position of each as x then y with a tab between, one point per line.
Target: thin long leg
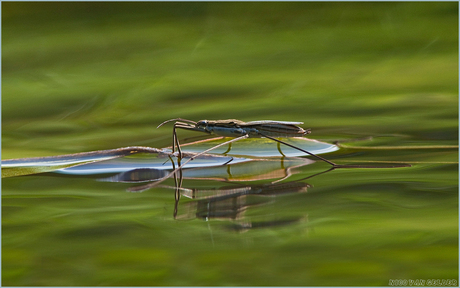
178	186
300	149
180	178
229	148
150	185
212	148
185	126
174	138
176	142
177	193
176	202
278	145
330	162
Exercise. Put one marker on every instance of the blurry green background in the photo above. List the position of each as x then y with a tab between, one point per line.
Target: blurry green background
104	75
83	76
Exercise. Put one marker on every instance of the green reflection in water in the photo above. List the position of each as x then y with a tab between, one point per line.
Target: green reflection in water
81	77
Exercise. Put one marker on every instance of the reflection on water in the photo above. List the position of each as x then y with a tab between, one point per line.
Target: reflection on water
144	164
231	204
323	210
152	166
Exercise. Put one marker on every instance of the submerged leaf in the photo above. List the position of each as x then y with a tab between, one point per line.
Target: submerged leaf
34	165
20	171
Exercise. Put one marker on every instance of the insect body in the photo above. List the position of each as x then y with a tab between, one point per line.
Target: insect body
235	128
241	130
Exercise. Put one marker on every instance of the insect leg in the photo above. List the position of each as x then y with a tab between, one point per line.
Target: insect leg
300	149
176	142
278	145
176	193
176	202
229	148
212	148
174	138
150	185
185	126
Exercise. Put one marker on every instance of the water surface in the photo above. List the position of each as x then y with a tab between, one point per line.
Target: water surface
380	78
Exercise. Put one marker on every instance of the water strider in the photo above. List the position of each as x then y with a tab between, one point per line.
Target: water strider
241	130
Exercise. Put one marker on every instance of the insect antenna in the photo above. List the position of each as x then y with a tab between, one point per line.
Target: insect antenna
176	119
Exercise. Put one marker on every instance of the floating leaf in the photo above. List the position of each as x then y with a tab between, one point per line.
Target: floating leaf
161	161
257	169
25	166
19	171
105	161
111	161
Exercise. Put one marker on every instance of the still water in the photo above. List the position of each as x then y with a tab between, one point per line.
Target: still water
378	79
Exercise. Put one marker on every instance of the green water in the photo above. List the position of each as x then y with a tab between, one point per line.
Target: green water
79	77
